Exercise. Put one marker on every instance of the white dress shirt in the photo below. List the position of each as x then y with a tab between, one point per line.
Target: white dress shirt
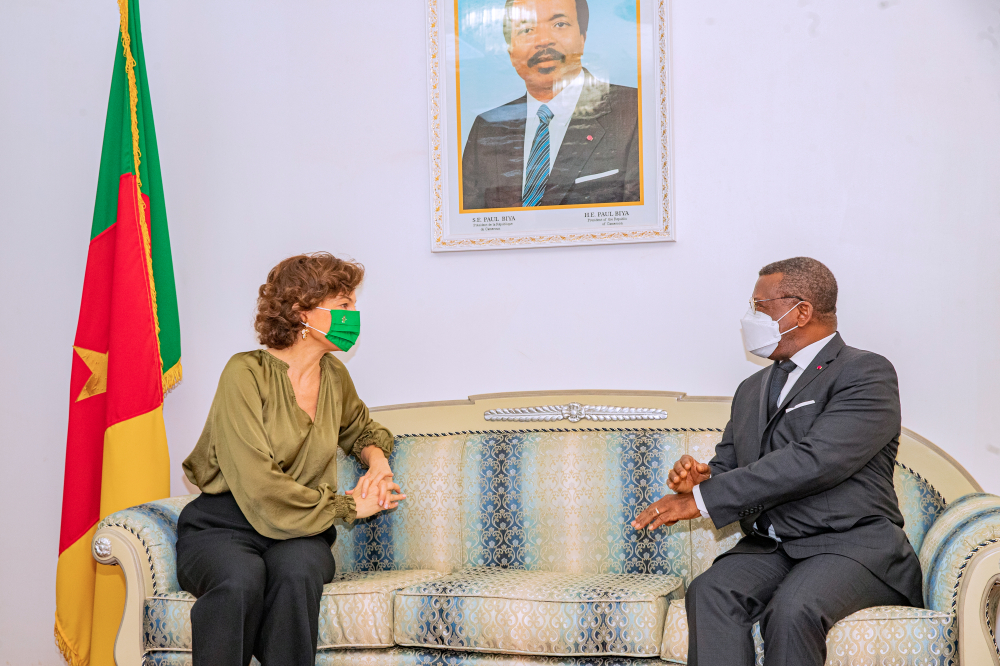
562	107
802	359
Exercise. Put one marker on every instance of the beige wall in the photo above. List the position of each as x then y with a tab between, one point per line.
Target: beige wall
862	133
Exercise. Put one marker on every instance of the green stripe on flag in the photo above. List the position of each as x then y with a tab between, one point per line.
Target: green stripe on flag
117	159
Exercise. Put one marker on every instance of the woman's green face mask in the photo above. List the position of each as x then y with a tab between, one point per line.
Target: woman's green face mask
345	326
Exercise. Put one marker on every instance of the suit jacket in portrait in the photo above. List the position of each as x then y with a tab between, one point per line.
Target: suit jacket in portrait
822	467
493	160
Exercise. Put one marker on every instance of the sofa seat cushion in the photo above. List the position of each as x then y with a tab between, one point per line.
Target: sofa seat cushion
355	611
878	636
484	609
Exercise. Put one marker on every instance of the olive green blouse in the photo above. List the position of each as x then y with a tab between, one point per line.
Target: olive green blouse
280	465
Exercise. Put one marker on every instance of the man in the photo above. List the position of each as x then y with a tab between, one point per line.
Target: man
570	139
805	465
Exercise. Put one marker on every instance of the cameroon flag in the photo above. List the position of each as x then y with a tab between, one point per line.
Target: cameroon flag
126	356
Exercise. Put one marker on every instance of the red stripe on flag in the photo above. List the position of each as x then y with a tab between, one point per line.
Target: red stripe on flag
135	384
84	456
87	418
92	326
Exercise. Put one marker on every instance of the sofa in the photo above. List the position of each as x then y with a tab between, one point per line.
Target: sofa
514	546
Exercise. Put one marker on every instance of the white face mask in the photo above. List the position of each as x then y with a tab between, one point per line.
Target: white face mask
761	334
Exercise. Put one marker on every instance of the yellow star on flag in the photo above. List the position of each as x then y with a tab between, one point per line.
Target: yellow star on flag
97	363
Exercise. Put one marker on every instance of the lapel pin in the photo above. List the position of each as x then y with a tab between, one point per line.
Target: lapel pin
819	367
590	137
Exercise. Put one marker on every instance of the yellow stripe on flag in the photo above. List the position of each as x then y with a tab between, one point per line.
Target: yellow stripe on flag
136	463
91	596
75	599
109	604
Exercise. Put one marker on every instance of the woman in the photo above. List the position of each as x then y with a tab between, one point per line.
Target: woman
254	547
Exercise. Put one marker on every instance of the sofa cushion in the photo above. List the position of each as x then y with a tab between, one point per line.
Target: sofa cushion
879	636
487	609
675	634
355	611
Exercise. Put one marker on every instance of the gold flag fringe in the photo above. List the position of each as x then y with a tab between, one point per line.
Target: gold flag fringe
133	98
172	377
68	653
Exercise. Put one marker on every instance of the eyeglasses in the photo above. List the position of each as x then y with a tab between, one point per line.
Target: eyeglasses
753	303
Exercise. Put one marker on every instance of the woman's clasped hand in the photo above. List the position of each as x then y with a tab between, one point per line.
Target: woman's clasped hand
375	490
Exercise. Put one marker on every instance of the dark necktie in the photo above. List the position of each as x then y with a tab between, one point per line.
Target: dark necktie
536	172
778	379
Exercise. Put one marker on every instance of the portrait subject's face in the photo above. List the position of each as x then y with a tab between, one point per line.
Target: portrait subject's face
546	45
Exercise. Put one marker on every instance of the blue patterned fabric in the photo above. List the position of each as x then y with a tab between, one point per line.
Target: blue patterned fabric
424	531
490	609
882	636
968	523
563	501
166	622
356	610
583	489
919	503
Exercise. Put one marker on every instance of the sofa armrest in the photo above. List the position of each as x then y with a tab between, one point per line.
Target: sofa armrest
960	558
154	528
141	540
117	545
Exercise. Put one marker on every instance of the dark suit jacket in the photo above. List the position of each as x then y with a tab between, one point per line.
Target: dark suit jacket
493	161
823	471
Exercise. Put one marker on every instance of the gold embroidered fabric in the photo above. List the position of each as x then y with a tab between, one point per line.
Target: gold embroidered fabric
879	636
675	633
913	636
537	612
356	609
564	501
425	530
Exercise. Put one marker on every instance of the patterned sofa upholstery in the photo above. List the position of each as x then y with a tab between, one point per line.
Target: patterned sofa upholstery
514	547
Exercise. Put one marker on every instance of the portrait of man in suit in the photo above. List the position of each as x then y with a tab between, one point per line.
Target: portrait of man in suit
805	466
570	139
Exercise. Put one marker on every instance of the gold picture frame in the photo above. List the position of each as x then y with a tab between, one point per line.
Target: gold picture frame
614	205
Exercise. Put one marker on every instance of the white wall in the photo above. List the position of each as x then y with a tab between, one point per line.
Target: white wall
866	134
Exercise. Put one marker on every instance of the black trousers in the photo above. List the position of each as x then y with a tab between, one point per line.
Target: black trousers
256	596
796	602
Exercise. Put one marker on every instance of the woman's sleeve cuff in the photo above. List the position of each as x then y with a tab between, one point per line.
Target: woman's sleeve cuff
374	435
346	508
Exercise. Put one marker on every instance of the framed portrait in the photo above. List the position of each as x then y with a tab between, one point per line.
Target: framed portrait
549	123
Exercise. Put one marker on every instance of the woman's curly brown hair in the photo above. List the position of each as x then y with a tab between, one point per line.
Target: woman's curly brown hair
296	284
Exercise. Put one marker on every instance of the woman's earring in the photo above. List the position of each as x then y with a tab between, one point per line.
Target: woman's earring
304	333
